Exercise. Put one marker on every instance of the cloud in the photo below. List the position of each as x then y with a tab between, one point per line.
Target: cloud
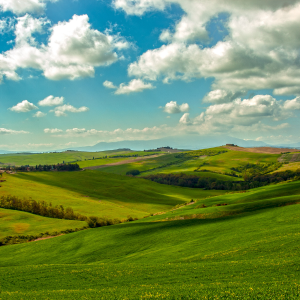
10	131
109	85
6	25
147	133
24	6
73	51
292	104
60	111
39	114
134	86
241	111
23	106
51	101
139	7
173	108
185	119
259	52
55	130
295	90
76	131
221	96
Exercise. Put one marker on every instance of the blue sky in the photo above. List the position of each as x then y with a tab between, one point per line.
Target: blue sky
74	73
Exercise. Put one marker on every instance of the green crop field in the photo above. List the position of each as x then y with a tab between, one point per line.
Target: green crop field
54	158
143	165
101	194
251	255
223	245
14	222
224	162
112	159
218	164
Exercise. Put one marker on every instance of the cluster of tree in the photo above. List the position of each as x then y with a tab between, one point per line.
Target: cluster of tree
18	239
44	209
94	221
40	208
58	167
250	171
203	152
193	181
133	172
132	155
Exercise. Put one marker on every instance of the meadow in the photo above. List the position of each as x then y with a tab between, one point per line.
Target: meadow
101	194
14	222
59	157
221	245
251	255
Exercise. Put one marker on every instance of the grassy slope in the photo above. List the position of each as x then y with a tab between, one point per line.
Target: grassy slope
223	162
53	158
249	256
14	222
97	193
220	163
144	165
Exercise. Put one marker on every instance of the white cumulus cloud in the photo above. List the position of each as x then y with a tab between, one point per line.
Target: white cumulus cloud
173	108
134	86
73	51
292	104
10	131
24	106
39	114
259	52
51	101
60	111
109	85
24	6
54	130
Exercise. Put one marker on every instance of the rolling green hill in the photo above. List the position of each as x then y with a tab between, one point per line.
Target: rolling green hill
55	157
101	194
14	222
250	255
225	245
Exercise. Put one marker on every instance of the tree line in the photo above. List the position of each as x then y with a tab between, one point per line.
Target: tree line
40	208
58	167
44	209
193	181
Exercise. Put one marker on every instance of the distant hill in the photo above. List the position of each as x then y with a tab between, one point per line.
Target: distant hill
190	142
6	152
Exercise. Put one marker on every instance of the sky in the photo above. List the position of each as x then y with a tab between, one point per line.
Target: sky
75	73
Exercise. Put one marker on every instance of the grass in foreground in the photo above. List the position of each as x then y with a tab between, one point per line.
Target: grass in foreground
253	255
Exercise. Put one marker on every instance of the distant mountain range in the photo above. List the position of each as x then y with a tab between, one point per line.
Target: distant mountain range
186	142
191	142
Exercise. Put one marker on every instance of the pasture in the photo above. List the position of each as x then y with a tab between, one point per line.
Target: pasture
101	194
14	222
251	255
224	245
58	157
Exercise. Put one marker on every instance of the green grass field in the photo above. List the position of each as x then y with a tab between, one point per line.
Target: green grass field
143	165
14	222
218	164
58	157
101	194
251	255
246	249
